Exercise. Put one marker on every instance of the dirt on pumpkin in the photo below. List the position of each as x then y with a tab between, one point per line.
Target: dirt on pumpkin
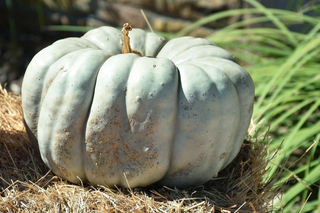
26	184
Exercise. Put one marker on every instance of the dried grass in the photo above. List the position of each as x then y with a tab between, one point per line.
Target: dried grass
27	185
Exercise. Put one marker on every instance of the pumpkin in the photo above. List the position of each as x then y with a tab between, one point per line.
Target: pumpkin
131	109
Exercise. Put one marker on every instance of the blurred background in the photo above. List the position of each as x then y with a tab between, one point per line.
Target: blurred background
276	41
27	26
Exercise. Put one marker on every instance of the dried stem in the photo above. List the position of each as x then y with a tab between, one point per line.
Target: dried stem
126	48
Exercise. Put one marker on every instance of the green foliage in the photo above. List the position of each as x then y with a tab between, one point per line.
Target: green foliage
285	67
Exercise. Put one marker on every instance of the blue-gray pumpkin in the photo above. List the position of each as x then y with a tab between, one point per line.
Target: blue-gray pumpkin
176	114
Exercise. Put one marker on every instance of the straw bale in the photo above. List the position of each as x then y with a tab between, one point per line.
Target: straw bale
27	185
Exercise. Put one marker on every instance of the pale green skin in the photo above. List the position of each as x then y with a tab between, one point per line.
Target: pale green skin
177	117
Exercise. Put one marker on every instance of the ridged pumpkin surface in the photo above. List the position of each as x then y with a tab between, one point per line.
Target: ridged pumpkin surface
176	116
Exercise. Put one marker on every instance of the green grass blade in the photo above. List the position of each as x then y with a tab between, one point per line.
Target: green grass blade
291	72
263	49
302	137
275	20
309	164
266	32
289	175
288	112
296	56
293	191
224	14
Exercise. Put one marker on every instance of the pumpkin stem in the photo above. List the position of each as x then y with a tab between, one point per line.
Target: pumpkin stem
126	48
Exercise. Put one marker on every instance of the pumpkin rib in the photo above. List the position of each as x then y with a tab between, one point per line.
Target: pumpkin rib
81	42
151	112
232	154
176	46
32	93
245	91
152	49
201	51
111	42
64	110
195	168
106	120
125	131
